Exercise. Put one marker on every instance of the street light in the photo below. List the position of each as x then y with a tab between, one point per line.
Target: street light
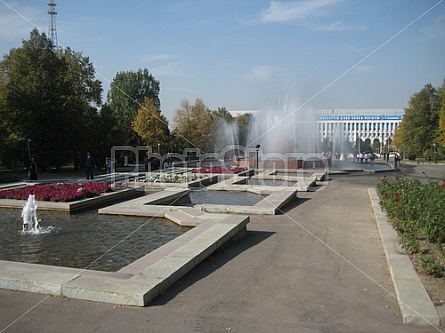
257	152
159	148
29	149
434	152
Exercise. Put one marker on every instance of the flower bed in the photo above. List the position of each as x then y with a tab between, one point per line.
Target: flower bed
417	212
58	192
169	178
219	169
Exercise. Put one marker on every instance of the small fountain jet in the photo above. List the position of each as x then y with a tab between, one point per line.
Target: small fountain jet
29	215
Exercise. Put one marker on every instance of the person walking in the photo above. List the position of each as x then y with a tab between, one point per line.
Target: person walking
32	172
89	164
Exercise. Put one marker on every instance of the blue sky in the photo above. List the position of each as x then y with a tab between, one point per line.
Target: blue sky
252	54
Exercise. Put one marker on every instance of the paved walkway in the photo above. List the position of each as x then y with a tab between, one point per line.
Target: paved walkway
318	267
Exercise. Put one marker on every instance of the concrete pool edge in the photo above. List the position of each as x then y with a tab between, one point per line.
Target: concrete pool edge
136	284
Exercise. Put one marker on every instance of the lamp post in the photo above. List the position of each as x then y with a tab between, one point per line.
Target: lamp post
29	149
159	145
257	153
434	152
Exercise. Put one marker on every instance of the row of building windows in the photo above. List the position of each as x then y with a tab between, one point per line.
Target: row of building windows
354	124
335	126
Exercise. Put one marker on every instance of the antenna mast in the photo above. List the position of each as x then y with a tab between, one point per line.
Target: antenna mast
52	31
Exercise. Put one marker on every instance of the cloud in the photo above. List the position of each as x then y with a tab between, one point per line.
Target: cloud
334	26
363	69
435	30
280	11
307	13
261	73
157	57
17	22
170	69
162	65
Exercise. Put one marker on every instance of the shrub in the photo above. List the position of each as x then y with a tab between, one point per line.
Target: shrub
417	212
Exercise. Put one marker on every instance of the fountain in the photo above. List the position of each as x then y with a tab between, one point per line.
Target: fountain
290	129
339	144
283	138
29	215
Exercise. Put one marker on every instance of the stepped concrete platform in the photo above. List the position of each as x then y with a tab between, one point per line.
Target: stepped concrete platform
166	204
163	204
415	305
303	181
138	283
269	205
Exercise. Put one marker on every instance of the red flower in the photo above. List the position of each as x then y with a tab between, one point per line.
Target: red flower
218	169
57	192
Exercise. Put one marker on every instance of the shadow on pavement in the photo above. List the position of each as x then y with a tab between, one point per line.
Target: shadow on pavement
215	261
291	205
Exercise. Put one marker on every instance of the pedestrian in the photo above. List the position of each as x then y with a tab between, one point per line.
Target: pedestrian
397	159
32	172
146	164
108	164
89	164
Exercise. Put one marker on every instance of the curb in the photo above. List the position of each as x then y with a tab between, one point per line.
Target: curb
415	305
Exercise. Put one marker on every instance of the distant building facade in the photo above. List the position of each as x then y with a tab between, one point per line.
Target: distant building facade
375	125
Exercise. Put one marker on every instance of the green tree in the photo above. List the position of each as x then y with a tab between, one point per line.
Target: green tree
194	126
127	93
151	125
441	134
419	127
47	96
81	102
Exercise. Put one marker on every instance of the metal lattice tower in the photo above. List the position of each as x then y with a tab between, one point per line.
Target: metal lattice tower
52	31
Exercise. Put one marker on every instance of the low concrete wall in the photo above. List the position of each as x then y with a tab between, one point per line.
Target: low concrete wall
80	205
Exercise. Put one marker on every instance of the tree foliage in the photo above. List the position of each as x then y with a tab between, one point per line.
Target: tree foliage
127	93
194	126
151	125
441	134
49	97
418	130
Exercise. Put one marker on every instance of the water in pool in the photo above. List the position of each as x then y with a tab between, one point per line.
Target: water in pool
84	240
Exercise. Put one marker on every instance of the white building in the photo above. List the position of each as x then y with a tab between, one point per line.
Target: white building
350	125
375	125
